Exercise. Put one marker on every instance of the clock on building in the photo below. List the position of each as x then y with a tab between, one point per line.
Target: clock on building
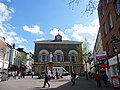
58	37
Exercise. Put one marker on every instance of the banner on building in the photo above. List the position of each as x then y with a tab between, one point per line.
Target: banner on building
101	55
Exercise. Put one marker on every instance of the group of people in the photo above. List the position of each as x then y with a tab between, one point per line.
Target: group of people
20	74
98	78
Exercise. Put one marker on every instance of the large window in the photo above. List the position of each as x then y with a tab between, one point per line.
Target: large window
110	20
42	58
105	29
58	57
72	55
102	12
106	2
73	58
117	5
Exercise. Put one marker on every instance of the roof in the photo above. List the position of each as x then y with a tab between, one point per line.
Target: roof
58	42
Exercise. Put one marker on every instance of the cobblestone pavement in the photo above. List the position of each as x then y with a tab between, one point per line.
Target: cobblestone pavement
62	84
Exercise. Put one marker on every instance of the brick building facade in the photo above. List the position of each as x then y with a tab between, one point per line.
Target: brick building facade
64	54
109	19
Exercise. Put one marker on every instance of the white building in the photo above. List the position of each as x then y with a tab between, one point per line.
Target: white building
5	50
29	62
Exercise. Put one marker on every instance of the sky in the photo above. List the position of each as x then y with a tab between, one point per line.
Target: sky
24	21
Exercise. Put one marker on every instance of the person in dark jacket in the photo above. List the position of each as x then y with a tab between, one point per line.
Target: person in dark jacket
73	77
56	74
105	79
46	79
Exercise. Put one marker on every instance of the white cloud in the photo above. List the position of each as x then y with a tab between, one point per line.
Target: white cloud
40	39
6	29
4	13
34	29
80	31
12	38
19	40
21	46
55	31
32	51
11	33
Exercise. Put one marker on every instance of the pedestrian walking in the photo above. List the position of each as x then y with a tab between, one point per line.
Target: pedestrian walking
13	74
49	74
32	73
23	73
46	79
105	79
56	74
73	77
98	78
19	75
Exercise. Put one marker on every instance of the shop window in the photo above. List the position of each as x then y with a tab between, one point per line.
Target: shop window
114	70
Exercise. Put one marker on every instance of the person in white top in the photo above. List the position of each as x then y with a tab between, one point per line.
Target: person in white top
49	74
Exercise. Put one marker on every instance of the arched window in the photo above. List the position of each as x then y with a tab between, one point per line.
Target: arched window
58	56
72	55
43	56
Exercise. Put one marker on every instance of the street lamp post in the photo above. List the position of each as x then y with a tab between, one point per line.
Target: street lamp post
114	41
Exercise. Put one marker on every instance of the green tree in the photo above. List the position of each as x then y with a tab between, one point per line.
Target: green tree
23	56
79	50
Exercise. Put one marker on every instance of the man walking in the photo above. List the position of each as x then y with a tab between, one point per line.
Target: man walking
73	77
46	79
32	74
105	79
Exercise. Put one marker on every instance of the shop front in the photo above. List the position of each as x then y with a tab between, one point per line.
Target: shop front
115	77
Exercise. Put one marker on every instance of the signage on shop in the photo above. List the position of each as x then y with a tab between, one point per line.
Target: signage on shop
113	60
101	55
103	65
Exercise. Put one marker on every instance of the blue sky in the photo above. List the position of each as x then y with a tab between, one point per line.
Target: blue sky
24	21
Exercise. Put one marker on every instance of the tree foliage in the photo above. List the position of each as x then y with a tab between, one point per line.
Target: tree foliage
91	6
79	50
86	46
23	55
